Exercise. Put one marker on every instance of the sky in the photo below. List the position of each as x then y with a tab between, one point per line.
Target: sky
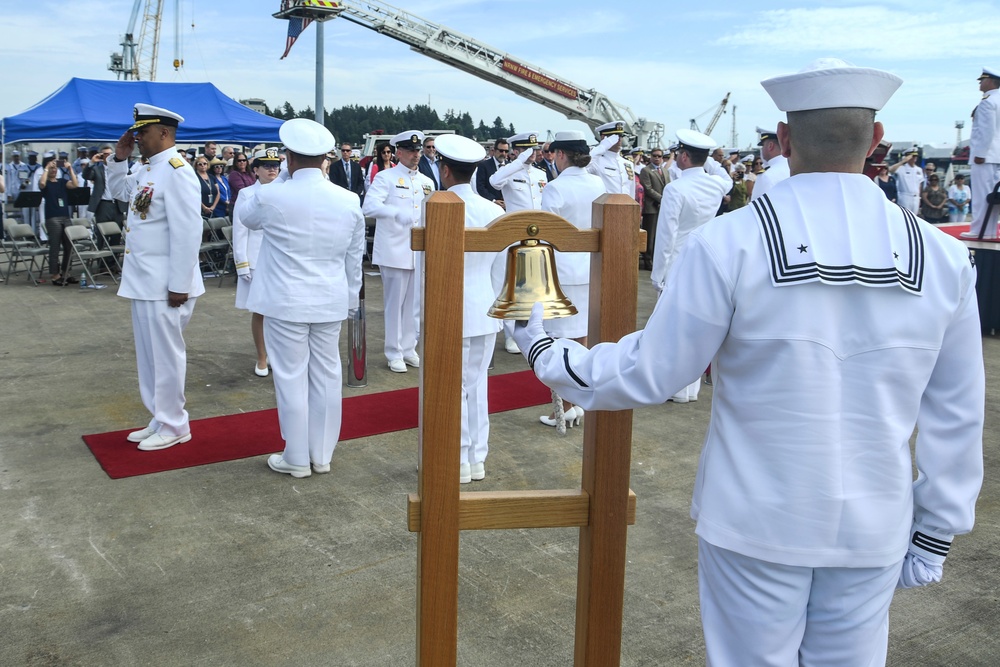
666	61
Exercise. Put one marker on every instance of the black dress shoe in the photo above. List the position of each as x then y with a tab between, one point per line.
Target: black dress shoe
58	282
70	280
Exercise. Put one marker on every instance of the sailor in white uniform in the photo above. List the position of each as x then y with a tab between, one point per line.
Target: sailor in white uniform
459	157
775	164
246	248
521	184
837	323
160	271
686	204
307	280
909	181
617	173
984	154
394	200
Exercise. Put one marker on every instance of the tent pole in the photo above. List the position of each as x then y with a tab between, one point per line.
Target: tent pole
319	72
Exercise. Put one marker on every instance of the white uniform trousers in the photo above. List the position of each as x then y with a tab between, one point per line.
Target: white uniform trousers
690	392
769	615
305	363
161	358
399	287
910	202
476	354
984	178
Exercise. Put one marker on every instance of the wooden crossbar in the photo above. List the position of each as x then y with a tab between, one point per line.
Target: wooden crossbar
499	510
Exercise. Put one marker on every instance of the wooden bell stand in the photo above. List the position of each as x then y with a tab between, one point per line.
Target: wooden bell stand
604	505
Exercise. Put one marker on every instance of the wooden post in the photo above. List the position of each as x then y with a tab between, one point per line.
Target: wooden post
440	432
607	443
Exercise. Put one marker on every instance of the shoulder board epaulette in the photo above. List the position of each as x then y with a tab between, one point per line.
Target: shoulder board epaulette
176	162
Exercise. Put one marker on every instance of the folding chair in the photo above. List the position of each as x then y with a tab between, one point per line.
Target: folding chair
7	245
227	233
85	250
107	230
25	248
212	246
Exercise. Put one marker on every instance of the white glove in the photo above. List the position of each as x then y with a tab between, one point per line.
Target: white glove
605	145
526	334
917	571
525	155
352	313
244	274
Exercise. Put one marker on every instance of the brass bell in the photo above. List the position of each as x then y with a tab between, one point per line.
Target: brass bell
530	277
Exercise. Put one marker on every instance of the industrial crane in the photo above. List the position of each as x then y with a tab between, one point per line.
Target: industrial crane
137	59
719	110
482	60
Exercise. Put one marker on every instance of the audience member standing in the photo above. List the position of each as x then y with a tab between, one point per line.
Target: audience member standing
487	168
984	155
653	178
958	200
104	207
428	162
240	177
887	182
57	179
216	172
346	173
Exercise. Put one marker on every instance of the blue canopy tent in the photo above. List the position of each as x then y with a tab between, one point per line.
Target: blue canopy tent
90	110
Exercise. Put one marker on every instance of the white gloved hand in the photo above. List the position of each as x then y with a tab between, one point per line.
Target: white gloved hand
525	155
918	571
352	313
605	145
526	334
244	274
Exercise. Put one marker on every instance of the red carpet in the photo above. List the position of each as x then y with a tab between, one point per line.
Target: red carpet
254	433
956	228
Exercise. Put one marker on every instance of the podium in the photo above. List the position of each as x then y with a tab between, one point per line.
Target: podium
602	508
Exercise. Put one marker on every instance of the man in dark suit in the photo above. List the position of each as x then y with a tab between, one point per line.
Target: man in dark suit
653	178
346	173
428	162
487	168
104	207
548	162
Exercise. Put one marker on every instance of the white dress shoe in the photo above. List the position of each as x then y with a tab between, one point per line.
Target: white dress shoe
277	463
510	345
397	366
139	436
320	468
680	397
160	441
478	471
548	421
412	361
576	418
464	473
261	372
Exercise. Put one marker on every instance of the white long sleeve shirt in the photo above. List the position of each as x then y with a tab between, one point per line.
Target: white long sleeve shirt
819	382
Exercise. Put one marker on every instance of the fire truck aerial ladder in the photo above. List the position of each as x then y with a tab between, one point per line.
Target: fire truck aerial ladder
486	62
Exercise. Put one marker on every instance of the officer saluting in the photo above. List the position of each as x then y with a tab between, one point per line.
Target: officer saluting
308	277
160	268
394	201
606	161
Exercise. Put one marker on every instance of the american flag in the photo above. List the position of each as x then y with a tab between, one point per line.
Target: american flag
295	28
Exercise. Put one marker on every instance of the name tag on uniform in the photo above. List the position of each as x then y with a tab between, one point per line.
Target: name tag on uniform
403	187
520	180
60	202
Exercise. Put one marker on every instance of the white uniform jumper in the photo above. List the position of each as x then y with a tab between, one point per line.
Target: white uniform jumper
308	276
835	322
479	330
984	142
777	171
394	200
162	238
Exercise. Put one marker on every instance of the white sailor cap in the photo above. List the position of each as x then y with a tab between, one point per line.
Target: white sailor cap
456	148
411	140
750	157
15	152
695	140
306	137
614	127
524	140
733	151
831	83
989	73
763	135
570	140
266	156
147	114
48	154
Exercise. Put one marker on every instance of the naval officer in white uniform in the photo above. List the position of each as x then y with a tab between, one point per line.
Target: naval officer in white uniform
606	160
394	200
775	164
837	322
459	157
160	272
307	279
984	154
246	248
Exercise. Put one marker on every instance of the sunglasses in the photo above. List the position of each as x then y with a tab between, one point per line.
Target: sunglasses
502	150
241	160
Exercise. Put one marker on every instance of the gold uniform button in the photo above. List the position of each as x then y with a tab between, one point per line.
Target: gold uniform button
127	251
